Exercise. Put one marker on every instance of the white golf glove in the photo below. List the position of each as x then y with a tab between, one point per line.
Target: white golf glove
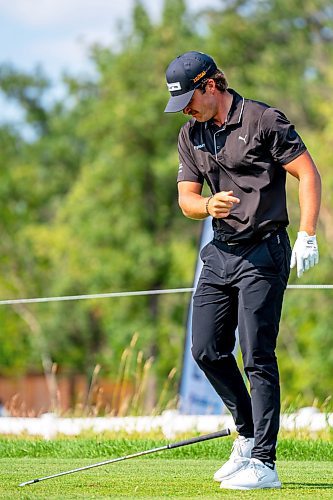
305	252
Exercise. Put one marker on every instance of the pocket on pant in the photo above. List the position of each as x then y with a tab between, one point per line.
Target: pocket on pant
276	253
278	247
203	252
206	251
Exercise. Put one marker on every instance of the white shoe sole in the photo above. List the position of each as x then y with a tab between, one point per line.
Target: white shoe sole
275	484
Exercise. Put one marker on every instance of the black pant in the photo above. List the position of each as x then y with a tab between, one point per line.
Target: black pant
243	285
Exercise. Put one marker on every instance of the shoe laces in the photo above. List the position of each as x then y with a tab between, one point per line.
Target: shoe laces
257	467
242	460
237	447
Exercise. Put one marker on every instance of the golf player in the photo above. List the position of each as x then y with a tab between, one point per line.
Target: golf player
243	150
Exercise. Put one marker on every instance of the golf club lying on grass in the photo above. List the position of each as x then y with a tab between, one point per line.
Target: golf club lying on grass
205	437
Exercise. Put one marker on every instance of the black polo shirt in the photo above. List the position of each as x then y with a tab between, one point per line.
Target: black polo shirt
245	155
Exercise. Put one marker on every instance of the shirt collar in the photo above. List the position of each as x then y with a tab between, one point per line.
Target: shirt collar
237	107
235	113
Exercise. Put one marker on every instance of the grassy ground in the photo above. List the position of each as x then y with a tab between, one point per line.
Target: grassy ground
305	468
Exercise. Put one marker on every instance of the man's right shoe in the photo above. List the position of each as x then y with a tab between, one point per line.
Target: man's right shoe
241	448
255	475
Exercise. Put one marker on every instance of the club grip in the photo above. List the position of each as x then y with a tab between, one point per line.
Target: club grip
205	437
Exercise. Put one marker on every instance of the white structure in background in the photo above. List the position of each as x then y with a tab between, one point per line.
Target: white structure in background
170	423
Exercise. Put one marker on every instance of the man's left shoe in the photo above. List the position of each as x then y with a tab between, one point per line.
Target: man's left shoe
253	476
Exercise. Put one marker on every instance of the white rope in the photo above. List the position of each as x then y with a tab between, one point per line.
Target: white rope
127	294
95	296
323	287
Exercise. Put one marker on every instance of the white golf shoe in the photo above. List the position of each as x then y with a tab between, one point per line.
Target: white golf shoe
254	475
241	448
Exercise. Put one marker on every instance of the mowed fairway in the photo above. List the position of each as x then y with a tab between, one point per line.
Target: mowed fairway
163	475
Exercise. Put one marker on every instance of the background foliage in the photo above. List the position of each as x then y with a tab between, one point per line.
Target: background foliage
89	201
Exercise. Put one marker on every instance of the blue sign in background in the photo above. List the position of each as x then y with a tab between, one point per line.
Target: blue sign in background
197	396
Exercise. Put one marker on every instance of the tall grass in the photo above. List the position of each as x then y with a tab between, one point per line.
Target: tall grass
132	389
130	393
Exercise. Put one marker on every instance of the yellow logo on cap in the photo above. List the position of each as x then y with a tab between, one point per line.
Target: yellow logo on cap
200	75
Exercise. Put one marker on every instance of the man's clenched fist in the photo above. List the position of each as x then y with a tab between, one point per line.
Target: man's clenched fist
221	203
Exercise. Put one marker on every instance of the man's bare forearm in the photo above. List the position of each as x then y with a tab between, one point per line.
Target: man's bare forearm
193	205
309	199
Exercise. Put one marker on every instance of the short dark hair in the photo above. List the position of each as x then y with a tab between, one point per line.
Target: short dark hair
220	80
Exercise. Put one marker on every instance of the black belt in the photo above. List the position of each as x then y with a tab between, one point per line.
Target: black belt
252	240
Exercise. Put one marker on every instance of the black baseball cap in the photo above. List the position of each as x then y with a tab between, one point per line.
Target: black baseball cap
184	75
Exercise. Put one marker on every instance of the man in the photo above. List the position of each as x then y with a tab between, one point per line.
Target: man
243	150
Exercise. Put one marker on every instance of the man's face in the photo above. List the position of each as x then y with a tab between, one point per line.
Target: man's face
202	107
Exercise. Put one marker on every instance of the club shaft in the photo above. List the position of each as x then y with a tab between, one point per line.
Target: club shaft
170	446
99	464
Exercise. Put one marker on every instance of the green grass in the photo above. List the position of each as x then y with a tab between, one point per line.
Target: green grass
288	448
305	468
159	478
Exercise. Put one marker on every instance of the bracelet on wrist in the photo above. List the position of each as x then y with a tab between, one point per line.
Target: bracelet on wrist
207	203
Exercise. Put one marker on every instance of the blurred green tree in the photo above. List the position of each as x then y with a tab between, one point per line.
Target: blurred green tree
90	198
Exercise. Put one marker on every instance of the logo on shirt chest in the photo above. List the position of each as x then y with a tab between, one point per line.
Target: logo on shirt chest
244	139
200	146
